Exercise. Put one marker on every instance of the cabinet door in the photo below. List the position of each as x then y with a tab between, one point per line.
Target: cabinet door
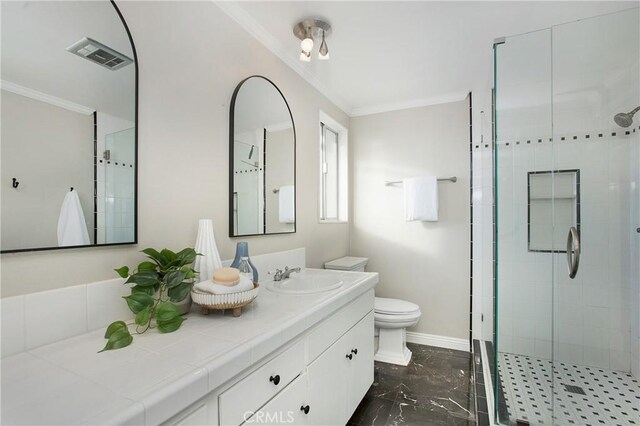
360	343
289	407
327	377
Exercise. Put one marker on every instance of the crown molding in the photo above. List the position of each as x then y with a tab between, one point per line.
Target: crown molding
43	97
416	103
246	21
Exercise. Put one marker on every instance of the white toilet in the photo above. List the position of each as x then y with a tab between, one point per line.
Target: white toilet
392	317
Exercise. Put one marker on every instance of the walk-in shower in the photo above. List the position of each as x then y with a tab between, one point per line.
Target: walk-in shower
566	338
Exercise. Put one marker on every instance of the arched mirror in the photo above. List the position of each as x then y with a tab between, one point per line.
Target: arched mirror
262	150
69	119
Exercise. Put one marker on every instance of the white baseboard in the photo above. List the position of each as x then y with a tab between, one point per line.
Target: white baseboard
439	341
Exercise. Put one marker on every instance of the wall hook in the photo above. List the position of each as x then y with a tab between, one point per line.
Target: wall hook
15	183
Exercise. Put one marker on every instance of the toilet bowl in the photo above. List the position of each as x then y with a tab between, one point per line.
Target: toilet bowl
392	317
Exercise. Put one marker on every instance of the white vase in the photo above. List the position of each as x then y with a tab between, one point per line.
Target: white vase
206	246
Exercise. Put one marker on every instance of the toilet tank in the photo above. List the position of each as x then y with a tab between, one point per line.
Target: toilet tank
348	263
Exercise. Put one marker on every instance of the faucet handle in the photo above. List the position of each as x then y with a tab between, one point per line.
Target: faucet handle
277	274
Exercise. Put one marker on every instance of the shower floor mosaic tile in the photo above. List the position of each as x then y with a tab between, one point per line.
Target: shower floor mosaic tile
538	391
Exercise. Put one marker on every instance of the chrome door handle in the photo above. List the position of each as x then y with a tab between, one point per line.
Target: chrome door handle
573	251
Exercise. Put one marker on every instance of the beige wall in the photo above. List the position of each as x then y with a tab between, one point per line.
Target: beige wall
48	149
183	146
424	262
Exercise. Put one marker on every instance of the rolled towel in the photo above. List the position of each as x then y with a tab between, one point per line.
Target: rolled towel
212	288
226	276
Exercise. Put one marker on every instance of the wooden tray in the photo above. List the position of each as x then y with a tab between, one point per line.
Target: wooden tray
235	301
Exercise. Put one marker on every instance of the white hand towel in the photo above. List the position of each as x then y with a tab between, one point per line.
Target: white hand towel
72	229
206	245
209	286
421	198
286	204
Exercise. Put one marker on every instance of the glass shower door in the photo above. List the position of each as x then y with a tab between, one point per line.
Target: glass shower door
567	212
596	76
524	178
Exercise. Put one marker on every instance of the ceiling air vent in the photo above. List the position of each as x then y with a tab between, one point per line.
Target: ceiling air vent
100	54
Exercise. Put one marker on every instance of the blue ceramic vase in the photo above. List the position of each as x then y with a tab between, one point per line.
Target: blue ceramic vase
242	250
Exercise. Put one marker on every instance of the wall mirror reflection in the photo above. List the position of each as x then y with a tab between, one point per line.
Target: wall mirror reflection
262	160
554	207
69	140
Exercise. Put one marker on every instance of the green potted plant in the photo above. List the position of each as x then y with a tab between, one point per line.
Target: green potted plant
158	285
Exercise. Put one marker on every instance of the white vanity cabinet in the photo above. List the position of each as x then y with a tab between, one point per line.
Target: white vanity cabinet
341	376
319	378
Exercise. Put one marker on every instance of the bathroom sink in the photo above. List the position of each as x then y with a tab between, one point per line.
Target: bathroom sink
306	282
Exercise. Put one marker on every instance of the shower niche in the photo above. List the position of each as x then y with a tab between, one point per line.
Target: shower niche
553	203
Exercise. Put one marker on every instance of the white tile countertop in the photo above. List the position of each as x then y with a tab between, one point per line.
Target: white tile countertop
159	375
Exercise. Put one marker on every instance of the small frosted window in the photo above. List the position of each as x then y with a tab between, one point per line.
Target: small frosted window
333	171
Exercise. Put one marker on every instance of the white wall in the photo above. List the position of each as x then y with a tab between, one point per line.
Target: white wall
183	146
423	262
48	149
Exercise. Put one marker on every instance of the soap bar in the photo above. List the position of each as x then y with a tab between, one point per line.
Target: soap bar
226	276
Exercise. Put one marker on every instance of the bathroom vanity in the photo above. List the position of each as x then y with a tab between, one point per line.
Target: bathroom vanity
303	359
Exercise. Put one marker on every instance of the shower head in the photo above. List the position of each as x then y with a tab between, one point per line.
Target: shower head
251	152
625	119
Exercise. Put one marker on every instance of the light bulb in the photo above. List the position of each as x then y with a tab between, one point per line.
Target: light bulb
305	56
307	44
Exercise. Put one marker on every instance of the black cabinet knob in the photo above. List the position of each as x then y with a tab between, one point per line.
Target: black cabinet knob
349	356
275	379
305	408
354	351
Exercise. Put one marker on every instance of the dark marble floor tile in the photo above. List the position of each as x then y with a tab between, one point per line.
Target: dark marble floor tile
385	386
436	388
456	404
372	411
413	415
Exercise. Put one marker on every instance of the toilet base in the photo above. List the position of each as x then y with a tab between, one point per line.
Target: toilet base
392	347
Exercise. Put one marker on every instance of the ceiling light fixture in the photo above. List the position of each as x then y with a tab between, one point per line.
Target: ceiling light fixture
305	56
308	29
323	52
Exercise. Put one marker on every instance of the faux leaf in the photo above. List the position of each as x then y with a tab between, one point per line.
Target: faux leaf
119	339
123	272
166	312
186	256
144	266
191	273
147	290
178	293
169	255
174	278
144	278
113	327
138	301
142	317
171	325
155	255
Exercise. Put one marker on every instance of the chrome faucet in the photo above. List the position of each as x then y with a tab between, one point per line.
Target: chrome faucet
283	275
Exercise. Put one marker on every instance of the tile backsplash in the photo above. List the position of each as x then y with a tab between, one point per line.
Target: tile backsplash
37	319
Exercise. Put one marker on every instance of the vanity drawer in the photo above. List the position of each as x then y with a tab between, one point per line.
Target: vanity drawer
330	330
252	392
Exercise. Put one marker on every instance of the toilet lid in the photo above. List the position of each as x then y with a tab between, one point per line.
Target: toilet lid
388	306
347	263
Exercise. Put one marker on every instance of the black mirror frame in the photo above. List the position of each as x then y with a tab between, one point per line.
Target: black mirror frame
135	178
232	108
